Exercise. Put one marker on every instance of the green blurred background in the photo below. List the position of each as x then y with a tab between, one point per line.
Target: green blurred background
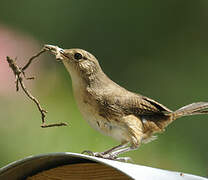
156	48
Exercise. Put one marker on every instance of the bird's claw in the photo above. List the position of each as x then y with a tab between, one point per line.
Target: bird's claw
107	156
95	154
90	153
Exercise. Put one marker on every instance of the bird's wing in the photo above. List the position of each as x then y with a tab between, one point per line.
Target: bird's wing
152	106
131	104
141	106
155	116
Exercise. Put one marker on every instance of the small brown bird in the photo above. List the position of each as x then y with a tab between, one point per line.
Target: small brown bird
130	118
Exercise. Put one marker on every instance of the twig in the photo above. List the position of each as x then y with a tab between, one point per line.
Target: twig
31	59
53	125
18	72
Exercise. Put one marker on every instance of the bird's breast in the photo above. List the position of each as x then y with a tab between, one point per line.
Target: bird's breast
89	107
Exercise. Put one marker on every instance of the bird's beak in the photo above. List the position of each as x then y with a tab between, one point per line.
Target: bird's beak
58	52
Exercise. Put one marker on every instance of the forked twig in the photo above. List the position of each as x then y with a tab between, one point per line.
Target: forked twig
18	72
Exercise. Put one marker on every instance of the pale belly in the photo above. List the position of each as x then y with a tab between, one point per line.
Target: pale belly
102	125
91	115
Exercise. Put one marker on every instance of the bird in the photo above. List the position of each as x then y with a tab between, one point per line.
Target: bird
128	117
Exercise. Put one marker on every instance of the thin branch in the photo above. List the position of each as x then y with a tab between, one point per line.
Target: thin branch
18	72
31	59
42	111
17	83
53	125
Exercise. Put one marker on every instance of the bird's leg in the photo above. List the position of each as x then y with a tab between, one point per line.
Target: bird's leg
115	148
107	152
113	153
123	150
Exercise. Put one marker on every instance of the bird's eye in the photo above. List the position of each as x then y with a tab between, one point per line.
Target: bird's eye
77	56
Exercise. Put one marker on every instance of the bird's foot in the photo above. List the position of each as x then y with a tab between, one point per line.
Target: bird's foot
109	156
124	159
90	153
95	154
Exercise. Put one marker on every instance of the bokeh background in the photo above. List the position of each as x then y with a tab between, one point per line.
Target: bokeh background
156	48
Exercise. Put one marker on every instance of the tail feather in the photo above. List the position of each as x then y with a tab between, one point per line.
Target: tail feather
191	109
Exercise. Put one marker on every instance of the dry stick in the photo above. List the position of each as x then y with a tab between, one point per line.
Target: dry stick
31	59
42	111
19	80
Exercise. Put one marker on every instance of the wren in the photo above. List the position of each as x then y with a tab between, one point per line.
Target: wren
130	118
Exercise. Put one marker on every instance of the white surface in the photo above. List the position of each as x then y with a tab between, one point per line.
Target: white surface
33	164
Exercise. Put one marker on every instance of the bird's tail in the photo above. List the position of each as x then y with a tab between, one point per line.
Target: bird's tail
191	109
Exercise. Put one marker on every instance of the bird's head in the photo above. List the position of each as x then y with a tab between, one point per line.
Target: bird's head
77	61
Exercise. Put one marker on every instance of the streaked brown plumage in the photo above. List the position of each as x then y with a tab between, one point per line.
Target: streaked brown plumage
130	118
